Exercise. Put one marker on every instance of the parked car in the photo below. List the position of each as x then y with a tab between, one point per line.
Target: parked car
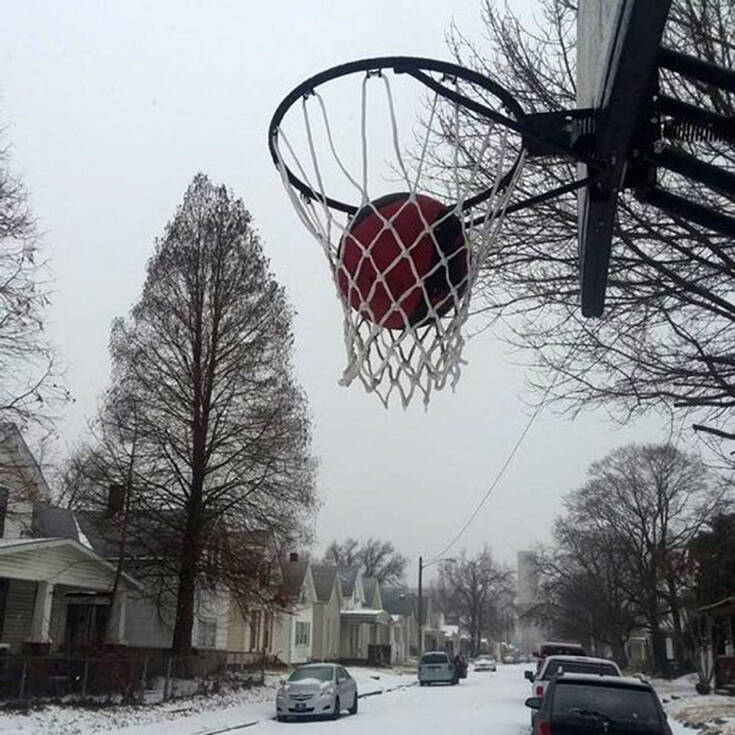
583	703
557	648
485	663
509	659
436	666
553	665
316	690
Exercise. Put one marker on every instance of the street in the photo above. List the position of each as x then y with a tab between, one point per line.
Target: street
482	704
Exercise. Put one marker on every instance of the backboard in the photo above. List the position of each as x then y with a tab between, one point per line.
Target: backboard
617	48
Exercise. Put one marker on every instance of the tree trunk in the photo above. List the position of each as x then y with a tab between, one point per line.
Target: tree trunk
658	645
618	653
185	598
188	571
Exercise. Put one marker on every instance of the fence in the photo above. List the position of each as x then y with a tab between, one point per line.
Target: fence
116	676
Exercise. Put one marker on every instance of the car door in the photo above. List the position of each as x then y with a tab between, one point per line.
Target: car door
347	687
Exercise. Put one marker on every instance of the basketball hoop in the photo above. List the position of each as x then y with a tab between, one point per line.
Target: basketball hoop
406	236
402	334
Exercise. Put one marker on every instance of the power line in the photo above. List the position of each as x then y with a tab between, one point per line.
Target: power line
492	487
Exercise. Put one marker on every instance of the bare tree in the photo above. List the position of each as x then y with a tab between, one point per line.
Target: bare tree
477	591
30	384
648	503
378	559
664	341
343	554
204	422
585	589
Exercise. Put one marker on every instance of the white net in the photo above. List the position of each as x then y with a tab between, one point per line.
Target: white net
405	263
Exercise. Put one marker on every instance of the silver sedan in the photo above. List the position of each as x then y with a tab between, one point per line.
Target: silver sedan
316	690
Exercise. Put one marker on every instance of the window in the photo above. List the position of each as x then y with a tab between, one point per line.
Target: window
302	634
254	629
3	509
207	637
579	667
618	703
320	673
435	658
4	584
266	630
86	623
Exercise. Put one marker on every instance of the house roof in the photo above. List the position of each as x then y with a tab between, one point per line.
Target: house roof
380	617
10	546
324	577
369	584
52	521
293	576
348	577
397	601
9	433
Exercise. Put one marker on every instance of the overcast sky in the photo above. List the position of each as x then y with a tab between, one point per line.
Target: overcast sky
112	107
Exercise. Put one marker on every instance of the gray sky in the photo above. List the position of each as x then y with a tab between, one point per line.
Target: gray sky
112	107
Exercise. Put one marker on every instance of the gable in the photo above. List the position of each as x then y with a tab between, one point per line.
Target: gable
63	561
19	471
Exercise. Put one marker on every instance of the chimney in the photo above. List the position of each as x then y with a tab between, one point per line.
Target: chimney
293	556
115	499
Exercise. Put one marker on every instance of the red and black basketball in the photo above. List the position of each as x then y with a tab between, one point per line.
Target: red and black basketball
410	241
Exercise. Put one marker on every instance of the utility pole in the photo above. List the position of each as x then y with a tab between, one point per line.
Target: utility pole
447	560
421	608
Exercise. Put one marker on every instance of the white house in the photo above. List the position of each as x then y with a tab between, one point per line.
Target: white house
294	620
55	591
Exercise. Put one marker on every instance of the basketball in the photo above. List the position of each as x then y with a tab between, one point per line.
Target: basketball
403	261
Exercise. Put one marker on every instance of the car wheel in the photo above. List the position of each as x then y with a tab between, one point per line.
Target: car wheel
280	718
337	709
353	710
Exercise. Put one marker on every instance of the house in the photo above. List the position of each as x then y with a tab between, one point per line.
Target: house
400	605
327	613
294	617
717	649
55	590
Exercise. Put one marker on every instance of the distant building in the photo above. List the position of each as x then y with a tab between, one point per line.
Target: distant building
529	634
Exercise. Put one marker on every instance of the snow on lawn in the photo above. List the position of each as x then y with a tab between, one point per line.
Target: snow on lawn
711	714
228	708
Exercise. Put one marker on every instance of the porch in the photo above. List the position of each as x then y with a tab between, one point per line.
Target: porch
56	595
365	636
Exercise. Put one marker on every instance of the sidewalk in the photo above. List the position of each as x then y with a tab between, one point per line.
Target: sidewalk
201	715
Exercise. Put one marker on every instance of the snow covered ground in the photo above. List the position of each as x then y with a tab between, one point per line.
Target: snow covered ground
483	704
712	715
182	717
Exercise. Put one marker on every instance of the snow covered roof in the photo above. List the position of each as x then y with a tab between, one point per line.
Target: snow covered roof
365	615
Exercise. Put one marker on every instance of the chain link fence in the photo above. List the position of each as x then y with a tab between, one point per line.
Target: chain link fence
115	677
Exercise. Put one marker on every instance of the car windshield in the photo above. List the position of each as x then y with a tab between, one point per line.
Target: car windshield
562	650
578	667
434	658
616	703
320	673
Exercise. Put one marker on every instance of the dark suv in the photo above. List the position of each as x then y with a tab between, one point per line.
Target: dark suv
583	703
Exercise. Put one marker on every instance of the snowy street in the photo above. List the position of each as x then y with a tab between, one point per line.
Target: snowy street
482	704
